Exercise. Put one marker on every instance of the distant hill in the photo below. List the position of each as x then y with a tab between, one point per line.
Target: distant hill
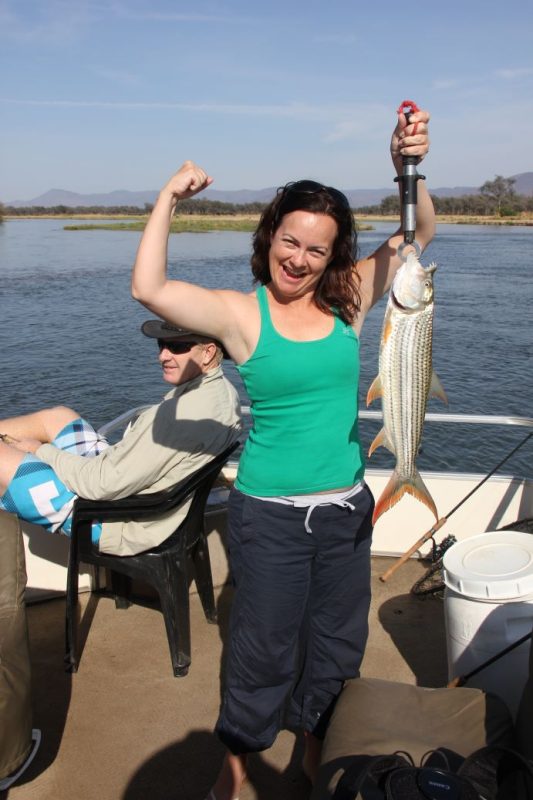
523	185
62	197
357	197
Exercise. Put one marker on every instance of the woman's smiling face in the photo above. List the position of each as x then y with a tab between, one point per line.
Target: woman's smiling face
300	250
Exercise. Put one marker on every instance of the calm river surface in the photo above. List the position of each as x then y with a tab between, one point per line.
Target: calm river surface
70	330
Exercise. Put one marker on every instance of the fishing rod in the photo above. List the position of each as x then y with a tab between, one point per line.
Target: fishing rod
408	189
462	679
431	532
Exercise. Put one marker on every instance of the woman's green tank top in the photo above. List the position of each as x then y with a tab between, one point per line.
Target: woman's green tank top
303	399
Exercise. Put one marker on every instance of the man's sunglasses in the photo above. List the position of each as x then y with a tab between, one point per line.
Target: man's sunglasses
312	187
176	347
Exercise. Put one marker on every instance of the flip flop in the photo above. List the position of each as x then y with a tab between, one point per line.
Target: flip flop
5	783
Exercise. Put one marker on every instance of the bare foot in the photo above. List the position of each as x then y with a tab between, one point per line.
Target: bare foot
311	759
230	778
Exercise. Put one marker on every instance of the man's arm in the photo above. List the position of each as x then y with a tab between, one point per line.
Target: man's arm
165	444
119	471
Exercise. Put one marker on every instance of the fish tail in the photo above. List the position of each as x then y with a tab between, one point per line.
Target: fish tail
395	490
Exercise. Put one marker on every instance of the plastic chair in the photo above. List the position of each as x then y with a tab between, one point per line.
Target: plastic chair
164	567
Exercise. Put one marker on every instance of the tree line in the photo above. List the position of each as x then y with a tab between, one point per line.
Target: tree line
211	208
495	198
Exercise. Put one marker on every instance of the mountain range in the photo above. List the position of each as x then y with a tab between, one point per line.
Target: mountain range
357	197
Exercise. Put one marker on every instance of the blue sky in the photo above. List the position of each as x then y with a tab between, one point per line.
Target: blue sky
97	95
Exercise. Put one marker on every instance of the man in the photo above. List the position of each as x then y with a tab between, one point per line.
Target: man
50	457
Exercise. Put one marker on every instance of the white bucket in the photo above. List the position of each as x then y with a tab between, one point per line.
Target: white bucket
488	605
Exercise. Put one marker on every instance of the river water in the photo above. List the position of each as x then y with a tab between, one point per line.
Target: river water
70	330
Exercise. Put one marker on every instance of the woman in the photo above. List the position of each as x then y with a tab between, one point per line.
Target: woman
300	514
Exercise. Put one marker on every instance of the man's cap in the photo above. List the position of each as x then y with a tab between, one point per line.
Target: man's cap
158	329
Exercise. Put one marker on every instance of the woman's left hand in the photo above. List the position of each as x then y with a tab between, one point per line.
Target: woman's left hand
410	137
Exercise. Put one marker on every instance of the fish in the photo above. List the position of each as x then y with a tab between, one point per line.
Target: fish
406	380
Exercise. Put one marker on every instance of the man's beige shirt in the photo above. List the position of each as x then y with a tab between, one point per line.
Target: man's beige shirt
167	442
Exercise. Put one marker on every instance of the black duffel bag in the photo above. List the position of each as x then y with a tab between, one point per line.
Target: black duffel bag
491	773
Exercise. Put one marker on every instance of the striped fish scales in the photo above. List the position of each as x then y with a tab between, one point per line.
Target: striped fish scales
406	380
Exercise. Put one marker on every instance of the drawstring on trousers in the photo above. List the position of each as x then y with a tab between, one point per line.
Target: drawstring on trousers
312	501
311	508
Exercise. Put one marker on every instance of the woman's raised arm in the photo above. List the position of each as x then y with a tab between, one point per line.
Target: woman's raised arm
183	304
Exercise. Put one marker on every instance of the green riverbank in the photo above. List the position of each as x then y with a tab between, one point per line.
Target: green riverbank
187	224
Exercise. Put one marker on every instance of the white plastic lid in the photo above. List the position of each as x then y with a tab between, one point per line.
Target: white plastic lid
496	565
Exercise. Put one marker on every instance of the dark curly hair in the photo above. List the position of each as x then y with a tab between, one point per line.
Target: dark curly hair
338	288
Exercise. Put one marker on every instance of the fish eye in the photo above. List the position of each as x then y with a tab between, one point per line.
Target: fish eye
427	284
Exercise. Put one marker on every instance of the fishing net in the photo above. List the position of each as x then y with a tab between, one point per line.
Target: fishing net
521	525
432	581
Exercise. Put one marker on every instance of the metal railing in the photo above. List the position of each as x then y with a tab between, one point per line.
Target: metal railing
477	419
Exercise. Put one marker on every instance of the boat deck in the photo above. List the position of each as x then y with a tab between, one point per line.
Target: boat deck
125	727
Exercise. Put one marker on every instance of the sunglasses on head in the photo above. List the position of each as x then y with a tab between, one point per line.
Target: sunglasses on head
176	347
312	187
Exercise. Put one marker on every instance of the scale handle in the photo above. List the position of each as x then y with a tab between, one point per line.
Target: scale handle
408	181
409	197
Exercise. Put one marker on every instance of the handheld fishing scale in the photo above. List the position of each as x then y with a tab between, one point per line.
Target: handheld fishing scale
408	189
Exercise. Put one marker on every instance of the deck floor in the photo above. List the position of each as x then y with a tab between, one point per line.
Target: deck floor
123	728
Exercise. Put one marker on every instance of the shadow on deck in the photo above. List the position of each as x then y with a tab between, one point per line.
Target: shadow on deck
124	728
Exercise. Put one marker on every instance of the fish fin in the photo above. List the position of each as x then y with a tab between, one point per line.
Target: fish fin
381	440
436	389
395	490
387	330
374	391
